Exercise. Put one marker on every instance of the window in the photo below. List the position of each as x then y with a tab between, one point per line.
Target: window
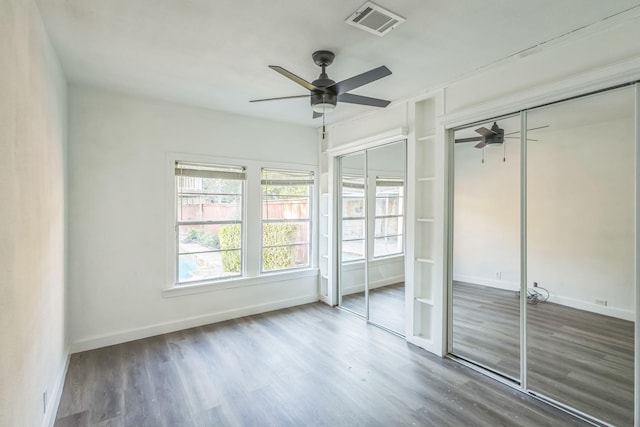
286	219
209	200
389	217
353	217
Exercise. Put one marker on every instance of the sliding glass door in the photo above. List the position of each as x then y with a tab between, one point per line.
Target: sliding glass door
371	247
544	245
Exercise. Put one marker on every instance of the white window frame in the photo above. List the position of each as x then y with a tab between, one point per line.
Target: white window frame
309	220
401	197
187	169
252	230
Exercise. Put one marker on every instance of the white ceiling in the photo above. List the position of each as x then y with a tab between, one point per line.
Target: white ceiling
215	53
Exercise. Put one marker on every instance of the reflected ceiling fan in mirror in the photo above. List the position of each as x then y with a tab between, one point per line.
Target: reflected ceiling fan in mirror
495	135
325	93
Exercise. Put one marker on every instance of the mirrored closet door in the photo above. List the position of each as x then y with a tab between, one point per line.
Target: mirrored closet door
580	254
486	245
543	232
371	248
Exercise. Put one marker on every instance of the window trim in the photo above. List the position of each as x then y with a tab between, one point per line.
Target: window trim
400	183
235	172
251	274
311	183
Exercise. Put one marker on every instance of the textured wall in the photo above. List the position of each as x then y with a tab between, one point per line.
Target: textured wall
32	216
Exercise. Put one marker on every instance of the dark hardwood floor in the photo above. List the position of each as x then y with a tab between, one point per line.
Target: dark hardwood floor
386	306
306	366
576	357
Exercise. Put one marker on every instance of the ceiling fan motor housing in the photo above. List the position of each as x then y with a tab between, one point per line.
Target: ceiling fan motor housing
498	138
323	95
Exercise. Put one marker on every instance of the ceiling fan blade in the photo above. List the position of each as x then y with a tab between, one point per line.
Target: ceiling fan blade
316	115
282	97
485	132
528	130
288	74
472	139
362	100
361	79
481	144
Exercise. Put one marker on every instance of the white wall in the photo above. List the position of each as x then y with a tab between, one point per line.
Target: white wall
32	219
376	122
486	246
118	213
581	216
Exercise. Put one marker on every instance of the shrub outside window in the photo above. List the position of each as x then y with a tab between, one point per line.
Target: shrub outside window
286	219
209	201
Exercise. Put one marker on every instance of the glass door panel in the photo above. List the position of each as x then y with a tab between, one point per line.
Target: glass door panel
486	245
580	254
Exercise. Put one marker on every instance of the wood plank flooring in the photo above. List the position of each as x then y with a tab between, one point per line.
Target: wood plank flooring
306	366
576	357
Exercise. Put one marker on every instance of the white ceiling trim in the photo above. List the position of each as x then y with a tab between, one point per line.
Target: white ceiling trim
580	84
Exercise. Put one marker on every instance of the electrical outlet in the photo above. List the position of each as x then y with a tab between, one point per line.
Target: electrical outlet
603	302
44	402
535	284
498	274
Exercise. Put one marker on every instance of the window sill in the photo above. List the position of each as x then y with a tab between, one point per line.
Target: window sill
238	282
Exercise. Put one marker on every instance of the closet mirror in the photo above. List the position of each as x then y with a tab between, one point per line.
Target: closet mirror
580	254
371	245
486	245
353	229
385	167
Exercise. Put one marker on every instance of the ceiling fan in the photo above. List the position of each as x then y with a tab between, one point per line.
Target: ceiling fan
325	93
495	135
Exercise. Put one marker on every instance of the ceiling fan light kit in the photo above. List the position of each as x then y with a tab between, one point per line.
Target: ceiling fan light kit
324	93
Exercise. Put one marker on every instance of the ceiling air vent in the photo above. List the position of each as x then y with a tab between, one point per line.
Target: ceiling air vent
374	19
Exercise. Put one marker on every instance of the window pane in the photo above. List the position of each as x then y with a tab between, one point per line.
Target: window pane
209	207
198	185
389	205
384	246
388	226
285	257
353	206
352	250
206	237
208	193
352	229
285	233
270	190
285	207
208	265
286	202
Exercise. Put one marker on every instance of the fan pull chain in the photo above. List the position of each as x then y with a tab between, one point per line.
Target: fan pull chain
324	131
504	151
483	155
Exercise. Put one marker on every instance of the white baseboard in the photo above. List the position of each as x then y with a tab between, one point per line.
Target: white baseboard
594	308
557	299
56	395
190	322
